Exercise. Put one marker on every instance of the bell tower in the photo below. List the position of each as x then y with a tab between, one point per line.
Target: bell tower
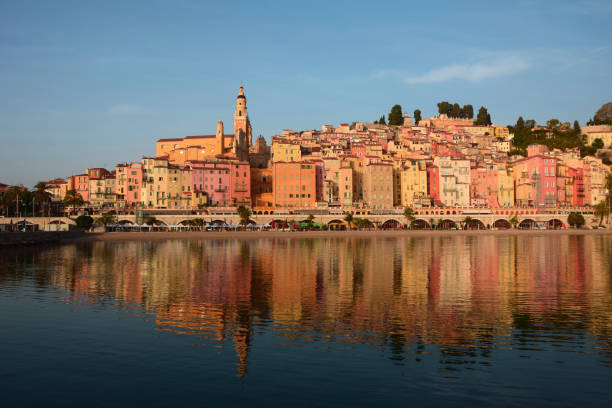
241	118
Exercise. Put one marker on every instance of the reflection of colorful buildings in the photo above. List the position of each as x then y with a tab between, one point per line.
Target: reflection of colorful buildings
454	292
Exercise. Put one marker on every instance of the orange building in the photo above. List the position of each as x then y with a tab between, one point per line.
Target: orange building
378	185
261	188
295	184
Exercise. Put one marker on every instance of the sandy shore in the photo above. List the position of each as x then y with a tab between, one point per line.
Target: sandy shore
249	235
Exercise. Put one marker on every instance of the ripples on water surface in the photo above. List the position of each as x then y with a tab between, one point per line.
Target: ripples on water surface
309	322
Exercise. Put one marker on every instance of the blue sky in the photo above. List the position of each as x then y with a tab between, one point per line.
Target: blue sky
95	83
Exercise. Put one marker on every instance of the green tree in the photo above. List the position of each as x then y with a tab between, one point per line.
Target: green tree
598	144
417	116
513	221
73	198
577	128
199	223
483	118
552	124
444	108
348	218
16	200
396	118
409	215
84	222
603	116
601	211
466	222
382	120
575	220
467	112
455	111
244	213
365	223
42	196
106	219
310	220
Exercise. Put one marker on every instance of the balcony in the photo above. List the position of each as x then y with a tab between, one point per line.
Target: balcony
220	189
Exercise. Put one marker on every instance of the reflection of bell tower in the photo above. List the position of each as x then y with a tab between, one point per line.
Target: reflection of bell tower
219	142
241	119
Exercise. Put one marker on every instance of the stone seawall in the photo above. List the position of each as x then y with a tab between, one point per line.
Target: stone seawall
15	239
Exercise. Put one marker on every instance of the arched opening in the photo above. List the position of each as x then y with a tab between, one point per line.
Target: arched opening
420	224
277	224
526	224
502	224
475	224
555	224
447	224
391	224
337	225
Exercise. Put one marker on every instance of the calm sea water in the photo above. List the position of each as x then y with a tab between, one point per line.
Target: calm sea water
437	321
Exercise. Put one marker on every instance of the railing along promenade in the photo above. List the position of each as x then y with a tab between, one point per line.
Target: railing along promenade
425	217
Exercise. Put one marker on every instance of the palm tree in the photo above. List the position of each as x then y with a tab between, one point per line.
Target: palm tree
409	214
244	213
601	210
365	223
16	195
198	222
74	199
432	224
513	221
349	220
466	222
311	218
41	193
106	219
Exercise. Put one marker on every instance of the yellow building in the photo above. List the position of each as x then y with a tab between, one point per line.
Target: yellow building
285	151
502	131
603	132
158	194
179	187
413	183
505	188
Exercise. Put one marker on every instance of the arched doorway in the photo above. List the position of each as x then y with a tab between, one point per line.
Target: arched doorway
420	224
336	225
447	224
526	224
475	224
555	224
502	225
391	224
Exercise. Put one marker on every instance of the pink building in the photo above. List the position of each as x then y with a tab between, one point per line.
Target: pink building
128	184
483	187
433	183
80	183
536	181
225	183
577	186
240	183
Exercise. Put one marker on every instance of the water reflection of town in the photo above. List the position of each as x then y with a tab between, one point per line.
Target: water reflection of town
467	295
